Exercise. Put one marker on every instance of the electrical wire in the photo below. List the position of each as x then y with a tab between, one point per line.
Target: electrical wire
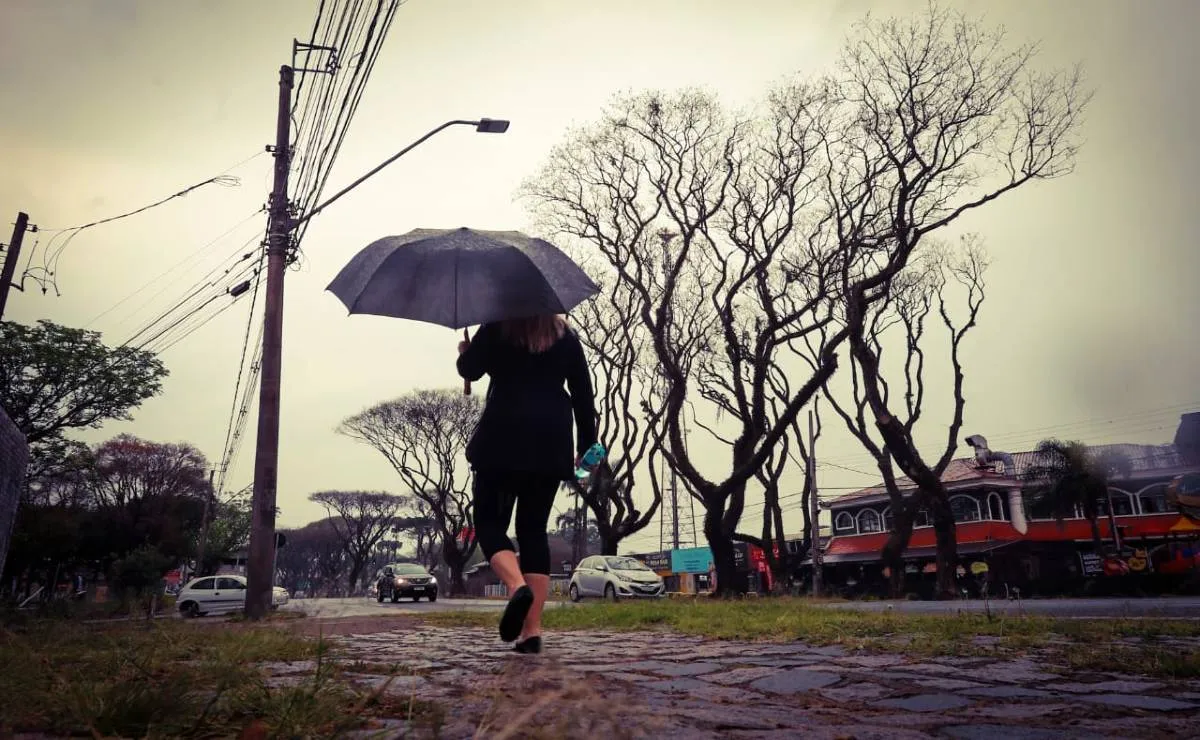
61	238
191	257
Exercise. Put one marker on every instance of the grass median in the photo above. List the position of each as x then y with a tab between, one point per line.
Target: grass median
1157	647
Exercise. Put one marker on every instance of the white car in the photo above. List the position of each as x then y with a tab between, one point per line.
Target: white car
614	577
220	595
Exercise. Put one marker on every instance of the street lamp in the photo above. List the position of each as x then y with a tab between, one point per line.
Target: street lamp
260	563
483	126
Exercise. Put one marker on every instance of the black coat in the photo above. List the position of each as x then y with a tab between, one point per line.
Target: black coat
526	422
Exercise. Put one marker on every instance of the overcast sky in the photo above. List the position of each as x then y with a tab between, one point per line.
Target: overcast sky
1090	325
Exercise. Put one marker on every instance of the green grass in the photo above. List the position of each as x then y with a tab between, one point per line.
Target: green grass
1094	644
165	679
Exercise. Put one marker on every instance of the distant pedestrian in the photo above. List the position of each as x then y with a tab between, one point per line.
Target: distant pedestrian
521	452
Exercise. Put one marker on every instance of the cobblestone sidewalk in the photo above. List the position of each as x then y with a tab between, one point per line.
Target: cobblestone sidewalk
666	685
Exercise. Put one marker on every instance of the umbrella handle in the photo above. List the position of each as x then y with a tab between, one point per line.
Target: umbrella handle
466	383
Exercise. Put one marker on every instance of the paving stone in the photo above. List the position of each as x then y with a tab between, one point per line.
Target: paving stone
1108	687
780	662
285	682
1137	701
697	689
630	677
795	681
649	666
392	685
738	675
926	702
871	661
1007	692
1022	712
603	668
1008	671
946	684
284	668
855	692
835	651
689	669
929	668
1000	732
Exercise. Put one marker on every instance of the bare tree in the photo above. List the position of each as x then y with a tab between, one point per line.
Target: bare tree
900	321
697	212
944	118
424	436
361	519
611	330
800	219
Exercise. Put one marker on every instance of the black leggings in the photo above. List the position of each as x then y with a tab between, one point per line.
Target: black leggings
496	491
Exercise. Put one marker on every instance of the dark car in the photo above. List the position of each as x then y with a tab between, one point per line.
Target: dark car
405	580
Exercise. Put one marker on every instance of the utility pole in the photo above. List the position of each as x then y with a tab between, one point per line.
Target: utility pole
10	258
204	523
816	508
674	510
261	558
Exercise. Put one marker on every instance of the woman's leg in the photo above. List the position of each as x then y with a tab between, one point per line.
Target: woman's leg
493	499
534	503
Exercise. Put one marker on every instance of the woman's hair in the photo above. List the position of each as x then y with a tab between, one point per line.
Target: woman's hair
537	333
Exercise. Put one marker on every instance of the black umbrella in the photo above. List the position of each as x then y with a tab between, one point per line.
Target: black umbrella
461	277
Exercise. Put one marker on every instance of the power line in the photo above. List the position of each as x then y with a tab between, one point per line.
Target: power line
45	275
202	249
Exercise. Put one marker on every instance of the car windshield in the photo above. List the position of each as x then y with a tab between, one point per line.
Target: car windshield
626	564
407	569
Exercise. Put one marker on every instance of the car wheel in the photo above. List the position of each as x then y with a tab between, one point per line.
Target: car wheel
433	597
395	597
573	593
189	609
610	593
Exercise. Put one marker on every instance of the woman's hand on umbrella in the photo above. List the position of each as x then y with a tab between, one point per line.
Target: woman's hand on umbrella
462	346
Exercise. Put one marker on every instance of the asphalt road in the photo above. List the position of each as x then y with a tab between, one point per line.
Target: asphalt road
1187	607
364	607
1173	607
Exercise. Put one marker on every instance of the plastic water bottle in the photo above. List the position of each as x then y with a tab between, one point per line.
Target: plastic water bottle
590	460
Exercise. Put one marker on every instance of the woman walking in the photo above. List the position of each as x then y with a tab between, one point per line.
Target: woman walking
522	451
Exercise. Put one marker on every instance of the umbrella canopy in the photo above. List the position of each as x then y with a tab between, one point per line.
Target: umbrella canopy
461	277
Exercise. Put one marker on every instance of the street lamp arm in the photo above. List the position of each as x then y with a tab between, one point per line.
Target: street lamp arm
301	220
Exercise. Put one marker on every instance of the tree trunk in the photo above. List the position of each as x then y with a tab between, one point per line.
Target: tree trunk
893	549
947	546
608	545
721	544
453	557
356	569
1097	538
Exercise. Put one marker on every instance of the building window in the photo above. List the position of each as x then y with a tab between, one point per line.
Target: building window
868	521
965	509
843	523
1122	503
888	520
921	519
995	506
1153	499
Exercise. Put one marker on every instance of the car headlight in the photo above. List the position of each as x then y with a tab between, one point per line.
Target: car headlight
400	581
625	578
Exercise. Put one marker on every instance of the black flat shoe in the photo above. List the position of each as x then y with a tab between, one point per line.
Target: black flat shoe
532	645
515	612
